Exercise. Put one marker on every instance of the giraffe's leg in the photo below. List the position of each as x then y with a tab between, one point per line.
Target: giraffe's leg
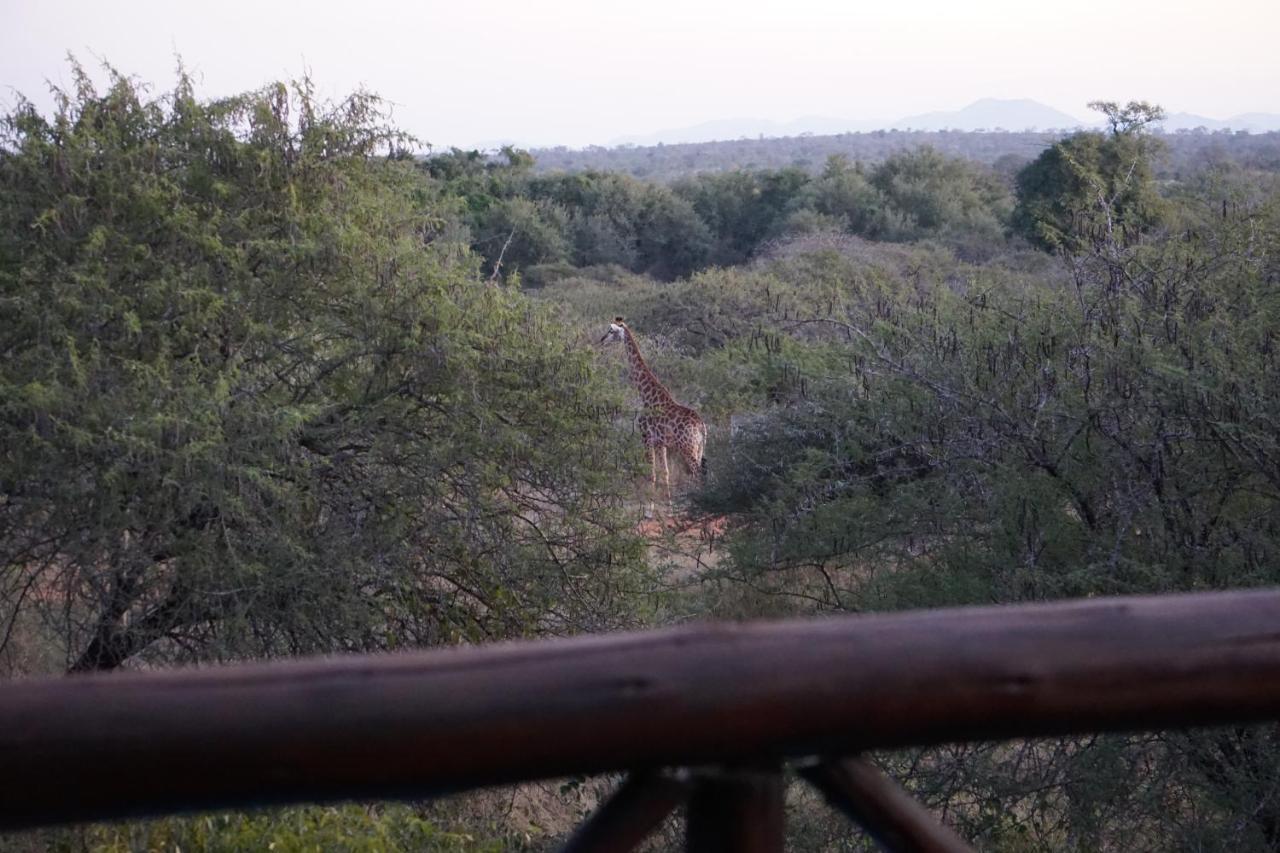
692	464
652	453
666	474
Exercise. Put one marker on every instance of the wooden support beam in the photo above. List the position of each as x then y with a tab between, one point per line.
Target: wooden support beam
413	725
737	811
896	821
627	818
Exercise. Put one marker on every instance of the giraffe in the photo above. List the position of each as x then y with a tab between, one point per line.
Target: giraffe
663	422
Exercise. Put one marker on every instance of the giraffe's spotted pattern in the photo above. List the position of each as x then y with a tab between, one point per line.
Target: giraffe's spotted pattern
664	424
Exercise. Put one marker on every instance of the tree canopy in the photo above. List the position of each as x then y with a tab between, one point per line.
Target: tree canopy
254	402
1093	188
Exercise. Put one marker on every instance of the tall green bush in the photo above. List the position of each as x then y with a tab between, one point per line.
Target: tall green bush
252	404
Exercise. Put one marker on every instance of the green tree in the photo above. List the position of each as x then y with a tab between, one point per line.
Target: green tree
1093	189
929	194
843	191
742	208
250	404
516	232
1133	117
671	239
605	213
972	435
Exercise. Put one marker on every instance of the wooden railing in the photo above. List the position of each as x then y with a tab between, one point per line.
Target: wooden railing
703	715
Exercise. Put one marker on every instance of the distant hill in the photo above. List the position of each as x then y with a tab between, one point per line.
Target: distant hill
1005	151
1256	122
990	114
1014	115
994	113
809	152
986	114
1252	122
749	128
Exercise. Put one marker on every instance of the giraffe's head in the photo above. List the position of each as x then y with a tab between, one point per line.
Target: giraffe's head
617	332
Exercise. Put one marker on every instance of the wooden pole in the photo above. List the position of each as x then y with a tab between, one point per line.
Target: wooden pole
84	747
737	811
896	821
636	809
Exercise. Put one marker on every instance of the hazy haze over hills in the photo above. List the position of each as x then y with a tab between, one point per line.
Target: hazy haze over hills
984	114
737	128
1014	114
1252	122
992	113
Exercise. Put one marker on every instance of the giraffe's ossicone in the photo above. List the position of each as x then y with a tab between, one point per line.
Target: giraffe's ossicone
663	423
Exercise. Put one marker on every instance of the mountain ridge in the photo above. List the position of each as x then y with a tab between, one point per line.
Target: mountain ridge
1012	114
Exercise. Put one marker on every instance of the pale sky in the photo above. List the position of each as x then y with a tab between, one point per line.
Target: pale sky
576	72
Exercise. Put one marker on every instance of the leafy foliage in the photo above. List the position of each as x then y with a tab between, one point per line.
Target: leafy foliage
1089	188
901	428
931	194
253	403
598	218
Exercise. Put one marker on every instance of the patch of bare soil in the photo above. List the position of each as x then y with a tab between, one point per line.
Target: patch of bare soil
684	543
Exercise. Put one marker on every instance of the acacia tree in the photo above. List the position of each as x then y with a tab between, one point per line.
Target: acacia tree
1093	189
250	405
1133	117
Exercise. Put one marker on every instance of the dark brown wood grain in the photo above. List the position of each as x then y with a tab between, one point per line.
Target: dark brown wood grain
636	809
896	821
418	724
737	811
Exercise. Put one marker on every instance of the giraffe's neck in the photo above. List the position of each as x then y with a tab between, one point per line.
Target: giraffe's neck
651	390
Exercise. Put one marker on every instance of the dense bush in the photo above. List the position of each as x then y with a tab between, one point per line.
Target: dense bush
927	433
594	218
1189	152
253	403
898	428
1091	189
